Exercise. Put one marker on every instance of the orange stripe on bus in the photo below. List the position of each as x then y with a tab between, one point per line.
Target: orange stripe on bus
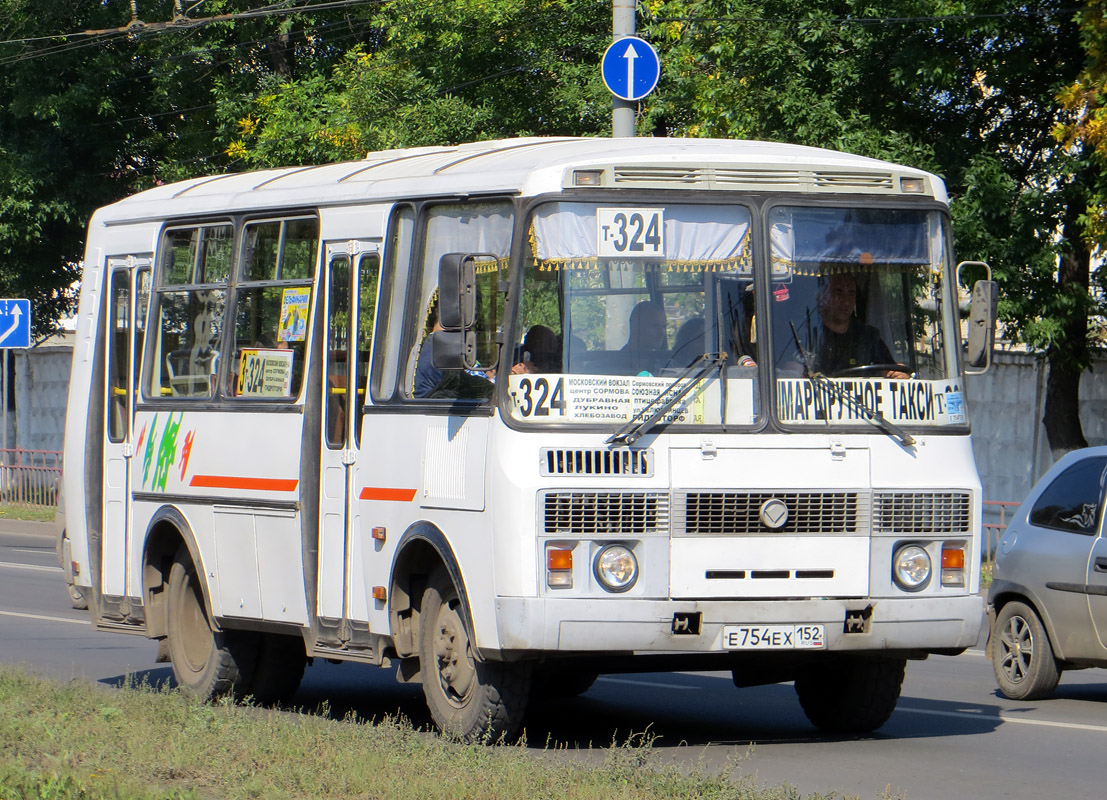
255	484
381	493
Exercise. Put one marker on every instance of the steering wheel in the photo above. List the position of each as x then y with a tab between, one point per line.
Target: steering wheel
868	369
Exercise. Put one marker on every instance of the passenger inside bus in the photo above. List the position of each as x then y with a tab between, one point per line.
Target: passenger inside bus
648	335
845	342
540	352
689	344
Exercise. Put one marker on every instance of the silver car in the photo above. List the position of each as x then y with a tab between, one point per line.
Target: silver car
1049	592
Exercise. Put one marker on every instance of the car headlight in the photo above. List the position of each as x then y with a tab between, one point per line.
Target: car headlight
616	568
911	568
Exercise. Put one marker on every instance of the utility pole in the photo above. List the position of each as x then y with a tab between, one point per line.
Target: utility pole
623	24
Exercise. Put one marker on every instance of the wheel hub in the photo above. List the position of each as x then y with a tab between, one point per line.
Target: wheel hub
454	659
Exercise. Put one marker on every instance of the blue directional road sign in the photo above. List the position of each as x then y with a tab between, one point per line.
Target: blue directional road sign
15	323
630	68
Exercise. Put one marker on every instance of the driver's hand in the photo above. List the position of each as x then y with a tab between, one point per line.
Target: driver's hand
896	374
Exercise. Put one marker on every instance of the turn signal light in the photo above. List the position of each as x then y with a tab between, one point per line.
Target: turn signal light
559	568
953	565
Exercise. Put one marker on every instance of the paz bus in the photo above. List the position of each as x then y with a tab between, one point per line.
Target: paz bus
510	415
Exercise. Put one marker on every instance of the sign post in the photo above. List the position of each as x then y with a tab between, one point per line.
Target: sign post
15	332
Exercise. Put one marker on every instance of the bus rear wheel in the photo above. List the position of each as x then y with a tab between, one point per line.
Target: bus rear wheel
280	668
850	694
206	663
475	701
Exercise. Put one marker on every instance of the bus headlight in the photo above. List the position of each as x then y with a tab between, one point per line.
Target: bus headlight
616	568
911	568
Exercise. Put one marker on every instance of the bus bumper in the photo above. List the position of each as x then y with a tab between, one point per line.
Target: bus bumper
661	626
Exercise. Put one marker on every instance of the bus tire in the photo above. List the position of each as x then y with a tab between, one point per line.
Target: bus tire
850	694
77	598
279	669
560	681
471	700
206	663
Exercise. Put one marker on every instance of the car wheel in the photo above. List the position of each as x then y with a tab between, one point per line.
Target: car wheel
1021	654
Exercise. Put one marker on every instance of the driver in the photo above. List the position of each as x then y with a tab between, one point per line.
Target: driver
845	342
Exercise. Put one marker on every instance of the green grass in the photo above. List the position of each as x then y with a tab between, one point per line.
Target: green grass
28	513
76	741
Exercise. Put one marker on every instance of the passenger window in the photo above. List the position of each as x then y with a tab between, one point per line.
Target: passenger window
1073	501
190	302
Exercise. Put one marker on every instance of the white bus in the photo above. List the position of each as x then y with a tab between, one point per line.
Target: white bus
508	415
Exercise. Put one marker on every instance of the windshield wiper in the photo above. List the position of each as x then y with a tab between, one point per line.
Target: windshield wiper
644	420
851	400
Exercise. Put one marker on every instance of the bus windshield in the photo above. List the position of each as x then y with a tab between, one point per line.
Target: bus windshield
841	307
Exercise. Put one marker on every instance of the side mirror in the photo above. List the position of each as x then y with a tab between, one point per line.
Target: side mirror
457	291
455	346
454	349
982	325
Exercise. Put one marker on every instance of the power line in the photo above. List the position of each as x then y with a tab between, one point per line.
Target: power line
183	22
927	20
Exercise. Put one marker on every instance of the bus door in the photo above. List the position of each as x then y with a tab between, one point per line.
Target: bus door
128	297
350	291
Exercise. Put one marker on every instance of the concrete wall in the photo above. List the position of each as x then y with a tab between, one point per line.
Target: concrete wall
1006	407
41	392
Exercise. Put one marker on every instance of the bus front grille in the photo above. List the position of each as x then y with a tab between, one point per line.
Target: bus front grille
737	513
922	512
584	514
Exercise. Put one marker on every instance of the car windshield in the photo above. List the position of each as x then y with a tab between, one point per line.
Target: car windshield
617	302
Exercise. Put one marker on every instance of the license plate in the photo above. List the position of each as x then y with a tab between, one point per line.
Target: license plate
773	637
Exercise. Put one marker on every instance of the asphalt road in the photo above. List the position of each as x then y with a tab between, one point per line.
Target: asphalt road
952	735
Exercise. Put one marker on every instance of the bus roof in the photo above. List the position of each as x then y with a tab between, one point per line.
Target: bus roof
527	166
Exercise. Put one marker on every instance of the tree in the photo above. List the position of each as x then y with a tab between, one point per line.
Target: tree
91	117
434	74
966	89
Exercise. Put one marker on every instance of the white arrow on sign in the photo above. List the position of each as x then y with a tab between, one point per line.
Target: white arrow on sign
629	55
17	313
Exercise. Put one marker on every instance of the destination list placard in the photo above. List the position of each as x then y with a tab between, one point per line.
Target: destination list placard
618	399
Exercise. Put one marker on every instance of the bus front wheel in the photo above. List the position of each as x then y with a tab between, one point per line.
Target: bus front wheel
206	663
850	694
475	701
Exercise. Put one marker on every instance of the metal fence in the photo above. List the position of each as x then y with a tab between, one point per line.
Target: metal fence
30	478
994	530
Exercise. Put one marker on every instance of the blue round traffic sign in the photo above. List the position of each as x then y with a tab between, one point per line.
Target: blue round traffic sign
630	68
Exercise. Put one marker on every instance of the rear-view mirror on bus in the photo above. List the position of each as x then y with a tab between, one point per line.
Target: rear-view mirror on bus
982	325
454	349
457	291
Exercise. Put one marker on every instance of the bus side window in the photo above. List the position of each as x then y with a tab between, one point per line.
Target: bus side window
272	306
190	304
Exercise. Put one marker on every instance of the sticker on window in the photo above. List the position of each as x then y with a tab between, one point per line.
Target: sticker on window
265	373
294	313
